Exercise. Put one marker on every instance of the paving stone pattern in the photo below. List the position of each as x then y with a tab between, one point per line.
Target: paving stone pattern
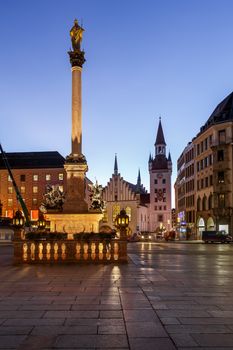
169	296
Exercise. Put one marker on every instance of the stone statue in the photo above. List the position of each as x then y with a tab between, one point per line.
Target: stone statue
53	199
76	34
97	202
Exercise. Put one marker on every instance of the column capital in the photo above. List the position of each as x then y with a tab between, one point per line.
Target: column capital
77	58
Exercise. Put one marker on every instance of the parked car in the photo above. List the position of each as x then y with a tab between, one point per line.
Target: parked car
216	236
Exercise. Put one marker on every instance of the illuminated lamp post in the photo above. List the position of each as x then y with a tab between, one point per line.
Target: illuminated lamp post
41	223
18	222
122	222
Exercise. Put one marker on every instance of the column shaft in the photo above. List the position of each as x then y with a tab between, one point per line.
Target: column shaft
76	110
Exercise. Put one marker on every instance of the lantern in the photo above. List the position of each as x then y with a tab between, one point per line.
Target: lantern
122	219
41	223
18	219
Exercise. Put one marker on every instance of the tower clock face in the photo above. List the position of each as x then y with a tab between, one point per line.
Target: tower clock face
159	176
160	194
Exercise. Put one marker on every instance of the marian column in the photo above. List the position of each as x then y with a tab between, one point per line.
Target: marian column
76	164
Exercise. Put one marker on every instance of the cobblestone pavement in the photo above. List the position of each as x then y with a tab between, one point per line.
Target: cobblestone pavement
169	296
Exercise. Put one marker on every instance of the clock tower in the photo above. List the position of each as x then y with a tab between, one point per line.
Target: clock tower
160	169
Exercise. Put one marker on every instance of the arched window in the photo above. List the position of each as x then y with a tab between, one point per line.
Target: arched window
210	224
204	203
210	202
115	211
128	212
198	204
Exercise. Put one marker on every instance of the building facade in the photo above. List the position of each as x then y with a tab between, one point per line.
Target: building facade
120	194
185	193
160	170
212	172
32	172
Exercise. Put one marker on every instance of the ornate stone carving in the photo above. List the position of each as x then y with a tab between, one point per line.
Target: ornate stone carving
52	199
97	202
76	158
77	58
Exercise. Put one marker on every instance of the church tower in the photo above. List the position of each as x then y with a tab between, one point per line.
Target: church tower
160	169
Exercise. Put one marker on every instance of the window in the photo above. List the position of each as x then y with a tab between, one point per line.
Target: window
156	199
221	179
198	149
34	201
202	183
47	177
164	199
60	188
211	180
23	178
201	163
10	190
198	166
60	177
210	159
198	186
164	190
206	182
210	140
160	208
22	189
160	218
221	200
206	143
10	202
35	177
165	208
9	178
155	207
211	201
156	190
128	212
201	146
220	155
204	203
115	211
222	136
198	204
164	181
35	189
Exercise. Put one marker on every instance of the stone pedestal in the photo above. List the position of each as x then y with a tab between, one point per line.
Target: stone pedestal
74	223
76	169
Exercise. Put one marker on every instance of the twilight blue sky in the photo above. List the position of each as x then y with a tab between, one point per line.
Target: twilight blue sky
144	59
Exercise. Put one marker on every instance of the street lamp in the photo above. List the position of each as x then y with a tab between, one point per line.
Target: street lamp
122	219
122	222
41	223
18	219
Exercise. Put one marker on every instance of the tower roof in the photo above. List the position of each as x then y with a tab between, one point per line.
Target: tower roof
115	166
160	136
139	178
169	157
